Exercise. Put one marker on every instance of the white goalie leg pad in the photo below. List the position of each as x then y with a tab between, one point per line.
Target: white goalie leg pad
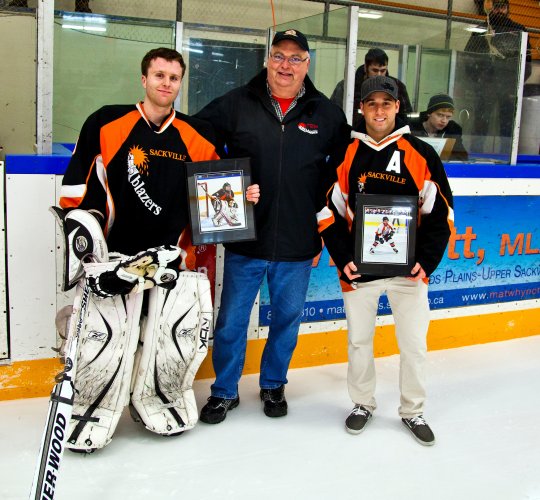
175	342
105	357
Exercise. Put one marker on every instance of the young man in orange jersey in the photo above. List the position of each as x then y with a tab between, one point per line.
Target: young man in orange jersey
384	145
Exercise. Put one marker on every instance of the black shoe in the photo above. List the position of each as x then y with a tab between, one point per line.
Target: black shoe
420	430
357	419
275	404
216	409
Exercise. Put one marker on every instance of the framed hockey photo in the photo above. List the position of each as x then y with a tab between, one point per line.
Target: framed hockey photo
219	210
385	234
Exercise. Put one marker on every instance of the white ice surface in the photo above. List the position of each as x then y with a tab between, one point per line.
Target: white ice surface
484	407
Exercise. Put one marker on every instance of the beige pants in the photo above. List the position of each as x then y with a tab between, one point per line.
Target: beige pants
409	303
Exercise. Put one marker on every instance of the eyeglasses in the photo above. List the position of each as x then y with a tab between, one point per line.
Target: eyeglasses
294	60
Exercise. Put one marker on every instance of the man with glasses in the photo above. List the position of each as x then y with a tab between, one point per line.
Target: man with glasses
289	130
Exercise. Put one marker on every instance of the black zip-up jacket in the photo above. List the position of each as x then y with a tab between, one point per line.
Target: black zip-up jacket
289	161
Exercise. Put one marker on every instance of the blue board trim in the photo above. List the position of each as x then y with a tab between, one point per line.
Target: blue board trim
527	167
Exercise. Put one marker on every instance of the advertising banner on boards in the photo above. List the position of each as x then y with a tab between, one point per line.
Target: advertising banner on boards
493	256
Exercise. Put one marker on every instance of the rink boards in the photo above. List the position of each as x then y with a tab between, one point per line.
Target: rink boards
487	287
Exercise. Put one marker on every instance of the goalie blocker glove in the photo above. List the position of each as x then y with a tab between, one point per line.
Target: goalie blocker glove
152	267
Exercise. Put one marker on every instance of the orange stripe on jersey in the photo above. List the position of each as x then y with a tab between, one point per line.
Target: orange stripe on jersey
116	133
75	201
343	169
199	149
70	202
450	218
416	163
325	223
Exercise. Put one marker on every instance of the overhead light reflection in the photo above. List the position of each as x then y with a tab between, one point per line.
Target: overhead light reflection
370	14
476	29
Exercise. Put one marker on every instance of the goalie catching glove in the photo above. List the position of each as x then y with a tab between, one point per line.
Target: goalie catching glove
152	267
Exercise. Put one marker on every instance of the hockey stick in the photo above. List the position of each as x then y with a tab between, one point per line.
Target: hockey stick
59	415
211	196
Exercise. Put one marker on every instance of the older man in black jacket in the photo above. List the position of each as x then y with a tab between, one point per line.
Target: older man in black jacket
289	130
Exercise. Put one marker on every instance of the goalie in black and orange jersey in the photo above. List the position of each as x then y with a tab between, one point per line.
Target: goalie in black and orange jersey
124	210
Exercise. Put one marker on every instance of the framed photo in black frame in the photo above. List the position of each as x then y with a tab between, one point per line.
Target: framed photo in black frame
385	234
219	211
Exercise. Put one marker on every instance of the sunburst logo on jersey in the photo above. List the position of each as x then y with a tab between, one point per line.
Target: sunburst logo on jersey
361	183
140	159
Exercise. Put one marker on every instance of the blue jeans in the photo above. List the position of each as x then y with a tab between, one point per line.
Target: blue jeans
242	278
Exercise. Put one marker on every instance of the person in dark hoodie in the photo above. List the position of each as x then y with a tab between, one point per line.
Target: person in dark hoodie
375	64
437	121
492	67
289	131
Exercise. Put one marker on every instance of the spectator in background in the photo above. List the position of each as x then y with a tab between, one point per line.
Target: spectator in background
375	64
437	121
492	68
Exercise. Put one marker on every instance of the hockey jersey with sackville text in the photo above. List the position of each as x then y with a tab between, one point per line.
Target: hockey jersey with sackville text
133	173
400	164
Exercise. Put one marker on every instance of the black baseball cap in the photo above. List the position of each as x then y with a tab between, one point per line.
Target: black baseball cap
379	84
293	35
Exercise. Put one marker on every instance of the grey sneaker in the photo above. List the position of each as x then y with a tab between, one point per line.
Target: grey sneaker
420	430
357	419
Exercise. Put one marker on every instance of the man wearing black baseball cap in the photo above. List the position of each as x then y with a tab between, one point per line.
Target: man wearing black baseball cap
295	36
384	158
289	130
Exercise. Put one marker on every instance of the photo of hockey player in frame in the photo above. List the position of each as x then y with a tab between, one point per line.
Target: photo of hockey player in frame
380	248
219	210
